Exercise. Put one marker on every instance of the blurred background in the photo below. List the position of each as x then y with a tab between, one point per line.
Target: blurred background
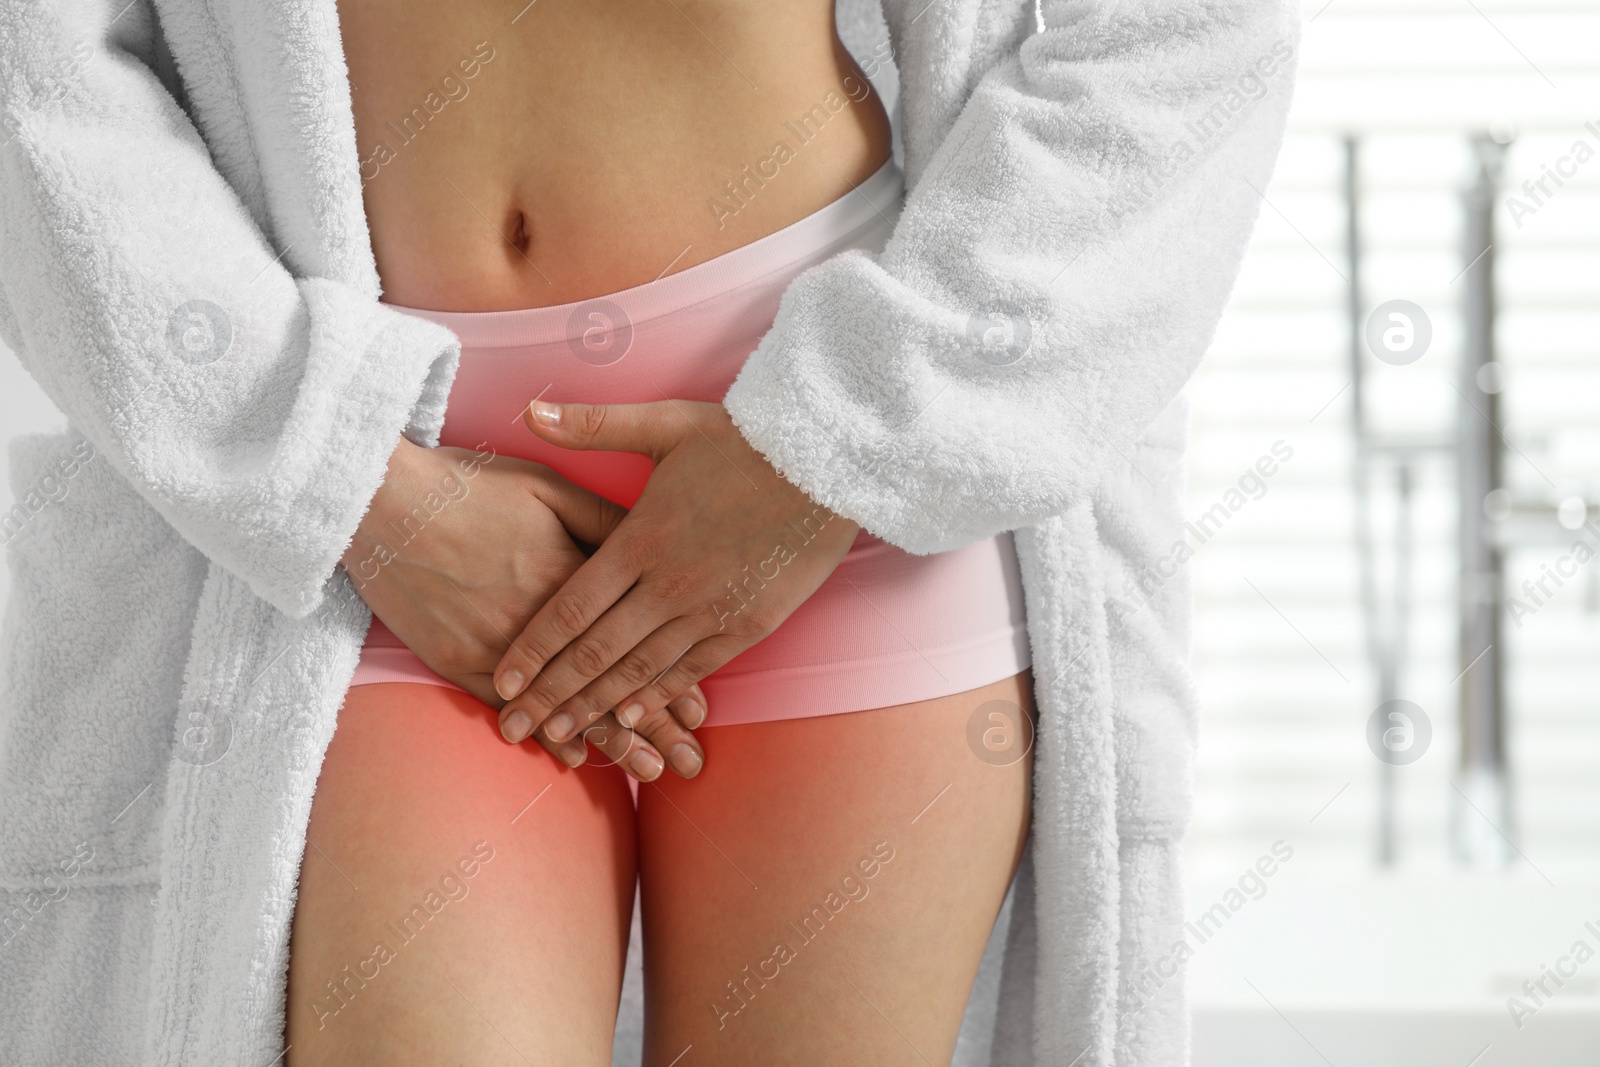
1420	327
1411	351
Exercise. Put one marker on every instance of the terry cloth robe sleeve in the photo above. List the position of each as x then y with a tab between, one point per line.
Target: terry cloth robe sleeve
255	411
1068	241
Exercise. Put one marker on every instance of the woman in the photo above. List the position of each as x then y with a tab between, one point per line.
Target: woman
893	652
1001	352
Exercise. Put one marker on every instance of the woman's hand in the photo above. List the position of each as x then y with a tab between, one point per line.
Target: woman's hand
717	552
458	550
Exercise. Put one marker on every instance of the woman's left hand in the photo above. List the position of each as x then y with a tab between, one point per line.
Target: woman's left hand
717	552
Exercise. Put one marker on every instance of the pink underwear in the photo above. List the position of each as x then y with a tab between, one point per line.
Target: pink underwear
887	627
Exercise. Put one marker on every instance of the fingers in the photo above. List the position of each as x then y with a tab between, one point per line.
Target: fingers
689	707
667	732
593	588
667	735
637	750
661	724
623	641
678	681
574	753
588	517
625	748
661	728
646	660
650	429
516	728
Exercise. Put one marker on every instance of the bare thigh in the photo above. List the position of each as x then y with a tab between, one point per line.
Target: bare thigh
461	900
823	891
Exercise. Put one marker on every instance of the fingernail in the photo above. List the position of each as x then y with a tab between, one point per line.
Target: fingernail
510	684
559	728
575	756
629	713
695	713
547	413
685	760
517	727
645	766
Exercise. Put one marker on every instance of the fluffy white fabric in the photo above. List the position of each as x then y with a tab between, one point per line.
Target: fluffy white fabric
185	268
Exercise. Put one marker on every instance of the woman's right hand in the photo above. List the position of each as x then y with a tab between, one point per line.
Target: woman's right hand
457	552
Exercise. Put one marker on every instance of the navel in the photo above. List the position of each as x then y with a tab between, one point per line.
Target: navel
519	233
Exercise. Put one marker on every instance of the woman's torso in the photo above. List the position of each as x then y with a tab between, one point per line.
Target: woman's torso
597	205
517	157
886	627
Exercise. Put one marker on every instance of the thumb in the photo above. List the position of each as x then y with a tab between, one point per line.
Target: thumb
588	517
650	429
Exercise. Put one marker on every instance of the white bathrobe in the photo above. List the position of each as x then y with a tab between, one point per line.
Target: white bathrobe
185	268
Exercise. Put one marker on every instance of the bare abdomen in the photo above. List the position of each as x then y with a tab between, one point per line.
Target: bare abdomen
580	147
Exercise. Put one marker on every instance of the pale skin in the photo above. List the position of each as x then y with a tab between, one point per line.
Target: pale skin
523	964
